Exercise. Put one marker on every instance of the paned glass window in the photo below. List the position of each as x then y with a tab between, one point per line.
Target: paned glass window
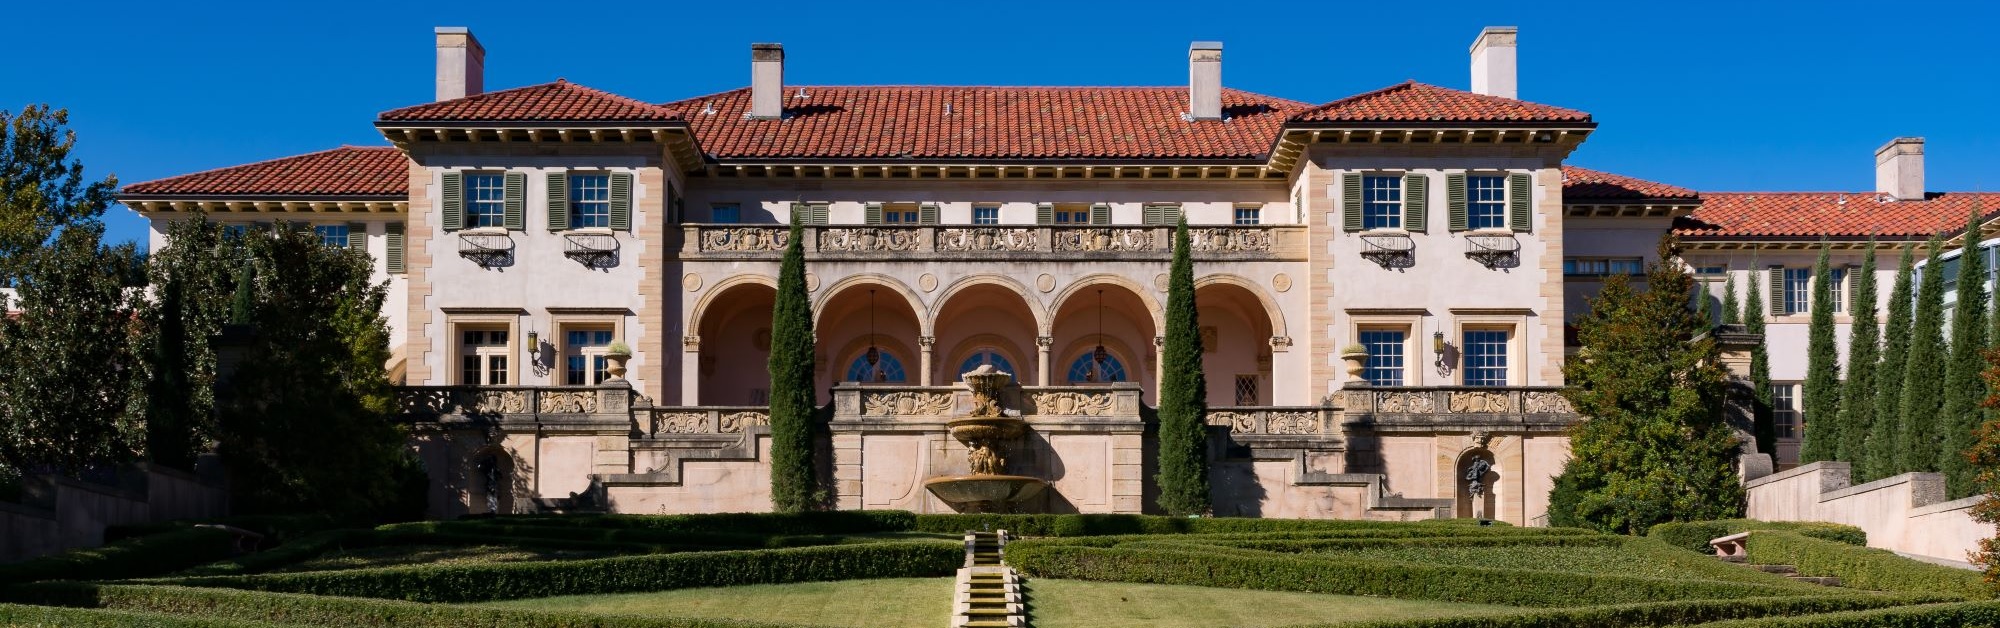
1381	202
725	213
1837	288
483	357
332	235
589	200
485	200
1785	409
1798	290
1486	202
885	369
1249	215
1078	217
899	217
583	356
985	215
1246	390
1088	370
1385	356
985	356
1485	357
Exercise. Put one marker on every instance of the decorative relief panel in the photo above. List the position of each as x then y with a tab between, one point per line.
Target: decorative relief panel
1104	239
568	401
868	239
987	239
1237	422
680	423
744	239
1073	404
1292	423
906	403
736	421
1224	240
495	402
1480	402
1411	402
1547	402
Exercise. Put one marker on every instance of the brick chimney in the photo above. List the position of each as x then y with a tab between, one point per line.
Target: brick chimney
461	69
1493	61
1899	169
767	81
1205	80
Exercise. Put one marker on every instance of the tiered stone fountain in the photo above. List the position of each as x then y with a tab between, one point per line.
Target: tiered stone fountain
987	433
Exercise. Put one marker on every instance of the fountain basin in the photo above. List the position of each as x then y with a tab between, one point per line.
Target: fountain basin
989	490
986	429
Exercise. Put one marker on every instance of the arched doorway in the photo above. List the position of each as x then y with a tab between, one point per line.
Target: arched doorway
1109	312
734	325
1236	331
985	320
490	483
868	332
1477	478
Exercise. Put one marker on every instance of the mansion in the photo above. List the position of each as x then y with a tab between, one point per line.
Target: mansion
527	234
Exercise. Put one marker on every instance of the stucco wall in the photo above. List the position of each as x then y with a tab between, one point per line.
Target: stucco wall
1905	513
60	514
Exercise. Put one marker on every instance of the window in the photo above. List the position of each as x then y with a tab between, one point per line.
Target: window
1088	370
1837	288
1600	266
1385	356
1485	357
1072	216
725	213
1798	290
331	235
1486	202
1381	202
885	369
485	200
235	232
1785	409
985	215
584	363
483	357
1246	390
1715	271
899	216
589	200
987	356
1249	215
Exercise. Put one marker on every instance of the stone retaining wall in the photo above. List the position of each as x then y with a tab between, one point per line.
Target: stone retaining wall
1905	513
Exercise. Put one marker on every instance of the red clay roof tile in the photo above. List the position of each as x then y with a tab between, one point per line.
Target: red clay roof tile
1585	184
561	101
1830	214
1411	101
372	171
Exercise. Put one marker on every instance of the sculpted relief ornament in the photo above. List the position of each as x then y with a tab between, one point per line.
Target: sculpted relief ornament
906	403
1480	402
1405	402
1546	402
744	239
1292	423
568	401
1072	404
1220	240
1106	239
867	239
987	239
680	423
737	421
1237	422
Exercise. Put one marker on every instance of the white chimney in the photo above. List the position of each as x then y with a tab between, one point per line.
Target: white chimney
767	81
1899	169
1205	80
1493	61
461	63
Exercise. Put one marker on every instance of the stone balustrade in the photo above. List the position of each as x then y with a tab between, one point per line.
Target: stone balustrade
431	402
1208	242
1434	406
1274	420
668	421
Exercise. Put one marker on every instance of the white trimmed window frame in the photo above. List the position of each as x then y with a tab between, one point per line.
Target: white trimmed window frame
1415	354
1512	324
485	353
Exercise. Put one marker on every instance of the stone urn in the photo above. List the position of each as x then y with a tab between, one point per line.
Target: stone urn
1356	357
616	355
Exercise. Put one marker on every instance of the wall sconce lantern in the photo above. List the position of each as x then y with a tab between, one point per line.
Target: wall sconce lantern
534	342
1438	347
1437	342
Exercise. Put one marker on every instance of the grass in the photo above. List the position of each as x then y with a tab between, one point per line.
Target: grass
926	603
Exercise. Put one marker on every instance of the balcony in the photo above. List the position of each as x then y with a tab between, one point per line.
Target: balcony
1023	242
1430	408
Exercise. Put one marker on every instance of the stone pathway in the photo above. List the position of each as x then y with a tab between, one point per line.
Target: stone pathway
988	592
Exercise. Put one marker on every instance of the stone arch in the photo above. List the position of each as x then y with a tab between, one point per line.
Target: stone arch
917	307
1144	293
707	298
1023	357
1035	305
1482	505
838	361
491	479
1137	371
732	321
1271	310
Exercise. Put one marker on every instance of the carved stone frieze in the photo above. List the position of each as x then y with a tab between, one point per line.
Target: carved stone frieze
1226	240
568	401
1414	402
744	239
1474	402
987	239
1292	423
1546	402
1104	239
736	421
495	402
1066	403
906	403
680	423
1237	422
874	239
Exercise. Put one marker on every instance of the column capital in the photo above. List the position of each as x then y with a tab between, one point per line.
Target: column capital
926	341
691	343
1045	341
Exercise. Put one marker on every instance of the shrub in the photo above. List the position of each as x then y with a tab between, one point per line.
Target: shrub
1649	614
236	608
499	581
1098	525
17	615
1922	616
136	557
1335	545
1695	535
1865	568
808	523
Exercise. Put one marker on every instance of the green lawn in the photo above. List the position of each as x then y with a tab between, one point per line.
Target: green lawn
926	603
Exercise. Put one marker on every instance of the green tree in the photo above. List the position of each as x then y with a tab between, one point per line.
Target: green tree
204	268
1984	458
1884	440
1823	431
1963	388
1864	350
1765	422
1183	393
42	190
66	362
793	400
1918	440
172	438
1654	446
1732	311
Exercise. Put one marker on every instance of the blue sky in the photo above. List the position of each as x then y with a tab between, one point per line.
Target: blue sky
1715	96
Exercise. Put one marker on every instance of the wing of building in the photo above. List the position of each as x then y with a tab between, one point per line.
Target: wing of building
1383	280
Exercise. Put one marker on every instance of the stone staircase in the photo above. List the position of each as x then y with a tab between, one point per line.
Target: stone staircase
988	592
1731	549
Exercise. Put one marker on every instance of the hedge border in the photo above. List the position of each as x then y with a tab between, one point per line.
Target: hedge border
1695	535
1649	614
1949	615
37	616
1863	567
135	557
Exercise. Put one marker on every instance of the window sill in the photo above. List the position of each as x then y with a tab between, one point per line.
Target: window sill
479	231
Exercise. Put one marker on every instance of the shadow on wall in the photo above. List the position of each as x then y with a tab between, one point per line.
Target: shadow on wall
1234	489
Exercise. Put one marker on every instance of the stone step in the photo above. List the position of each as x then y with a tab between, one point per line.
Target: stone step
1776	569
1734	559
1826	581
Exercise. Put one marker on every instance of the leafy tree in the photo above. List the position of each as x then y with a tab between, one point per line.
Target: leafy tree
1732	312
1760	368
1864	349
1963	389
1918	440
204	268
793	401
1984	457
1183	393
42	190
66	362
1823	431
1884	439
1655	446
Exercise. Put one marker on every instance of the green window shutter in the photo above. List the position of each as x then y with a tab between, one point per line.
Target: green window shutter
801	214
874	214
394	248
516	218
1153	215
621	201
558	201
1350	202
1416	197
819	213
1776	275
357	236
927	213
453	200
1045	213
1853	306
1518	197
1170	215
1454	201
1100	214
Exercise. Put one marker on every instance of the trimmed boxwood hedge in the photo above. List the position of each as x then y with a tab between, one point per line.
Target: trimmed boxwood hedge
1197	566
504	581
1865	568
1695	535
235	607
1335	545
18	615
801	523
1922	616
135	557
1099	525
1649	614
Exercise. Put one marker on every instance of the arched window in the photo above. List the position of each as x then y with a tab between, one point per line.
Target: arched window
985	356
1087	370
886	369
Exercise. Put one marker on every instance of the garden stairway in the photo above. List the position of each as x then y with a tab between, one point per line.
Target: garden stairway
988	592
1732	549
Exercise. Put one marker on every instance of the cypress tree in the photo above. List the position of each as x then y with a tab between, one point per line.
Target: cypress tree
1963	388
1760	368
245	300
171	439
1732	312
1701	309
1822	432
1884	439
1864	349
1183	393
793	401
1917	434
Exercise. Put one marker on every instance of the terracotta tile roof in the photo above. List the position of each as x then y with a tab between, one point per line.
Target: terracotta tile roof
1411	101
370	171
1128	123
1596	185
1830	214
559	101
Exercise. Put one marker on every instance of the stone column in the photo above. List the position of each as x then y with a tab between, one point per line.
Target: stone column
1042	344
924	344
690	370
1159	365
